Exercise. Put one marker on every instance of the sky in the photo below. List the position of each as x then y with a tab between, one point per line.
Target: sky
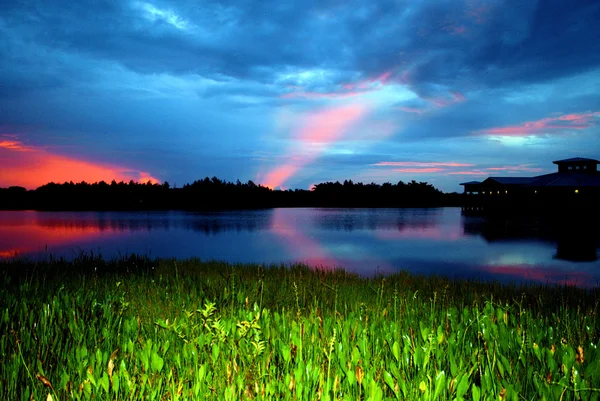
289	94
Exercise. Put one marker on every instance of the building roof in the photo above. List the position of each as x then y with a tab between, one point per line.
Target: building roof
574	179
575	160
512	180
470	183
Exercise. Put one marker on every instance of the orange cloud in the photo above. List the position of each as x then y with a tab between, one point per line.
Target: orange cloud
546	125
31	167
13	145
322	127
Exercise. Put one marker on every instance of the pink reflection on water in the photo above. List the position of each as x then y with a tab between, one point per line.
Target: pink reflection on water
31	235
543	275
313	253
426	232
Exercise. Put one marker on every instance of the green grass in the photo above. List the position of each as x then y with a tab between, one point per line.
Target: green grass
134	328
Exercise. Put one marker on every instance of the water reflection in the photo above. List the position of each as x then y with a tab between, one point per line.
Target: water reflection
366	241
575	241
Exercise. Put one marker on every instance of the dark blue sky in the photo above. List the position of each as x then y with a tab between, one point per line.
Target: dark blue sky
292	93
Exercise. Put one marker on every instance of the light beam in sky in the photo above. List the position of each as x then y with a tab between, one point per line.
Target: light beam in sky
316	133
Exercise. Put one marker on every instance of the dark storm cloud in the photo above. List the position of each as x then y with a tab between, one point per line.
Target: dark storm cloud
453	43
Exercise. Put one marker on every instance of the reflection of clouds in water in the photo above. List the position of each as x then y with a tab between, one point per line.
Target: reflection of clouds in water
544	275
365	241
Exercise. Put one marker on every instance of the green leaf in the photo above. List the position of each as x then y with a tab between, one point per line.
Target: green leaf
476	392
387	377
463	386
157	362
104	382
440	383
424	330
396	350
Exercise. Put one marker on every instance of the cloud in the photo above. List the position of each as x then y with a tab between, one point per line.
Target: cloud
518	168
423	164
547	125
31	167
420	170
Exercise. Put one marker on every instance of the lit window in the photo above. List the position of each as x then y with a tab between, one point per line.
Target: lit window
505	192
576	191
498	192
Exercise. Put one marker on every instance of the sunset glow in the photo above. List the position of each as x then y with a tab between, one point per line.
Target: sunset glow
31	167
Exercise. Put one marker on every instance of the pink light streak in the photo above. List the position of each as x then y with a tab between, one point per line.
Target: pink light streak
322	127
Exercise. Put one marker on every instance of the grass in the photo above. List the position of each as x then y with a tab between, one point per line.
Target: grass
135	328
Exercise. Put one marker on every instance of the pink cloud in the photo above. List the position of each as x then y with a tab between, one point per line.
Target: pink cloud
31	167
475	172
420	170
369	83
423	164
411	110
349	89
520	167
451	98
546	125
478	11
321	127
453	29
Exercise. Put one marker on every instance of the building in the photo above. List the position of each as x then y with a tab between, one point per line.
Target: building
575	187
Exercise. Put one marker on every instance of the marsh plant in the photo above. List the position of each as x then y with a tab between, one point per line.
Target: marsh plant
135	328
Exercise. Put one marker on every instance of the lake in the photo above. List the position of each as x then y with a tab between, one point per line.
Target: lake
366	241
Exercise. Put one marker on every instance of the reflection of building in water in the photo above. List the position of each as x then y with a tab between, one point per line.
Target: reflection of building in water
574	187
574	241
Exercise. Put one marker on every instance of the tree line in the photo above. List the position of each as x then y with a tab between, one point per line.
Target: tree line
216	194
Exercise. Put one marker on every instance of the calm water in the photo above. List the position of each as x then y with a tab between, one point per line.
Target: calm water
366	241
